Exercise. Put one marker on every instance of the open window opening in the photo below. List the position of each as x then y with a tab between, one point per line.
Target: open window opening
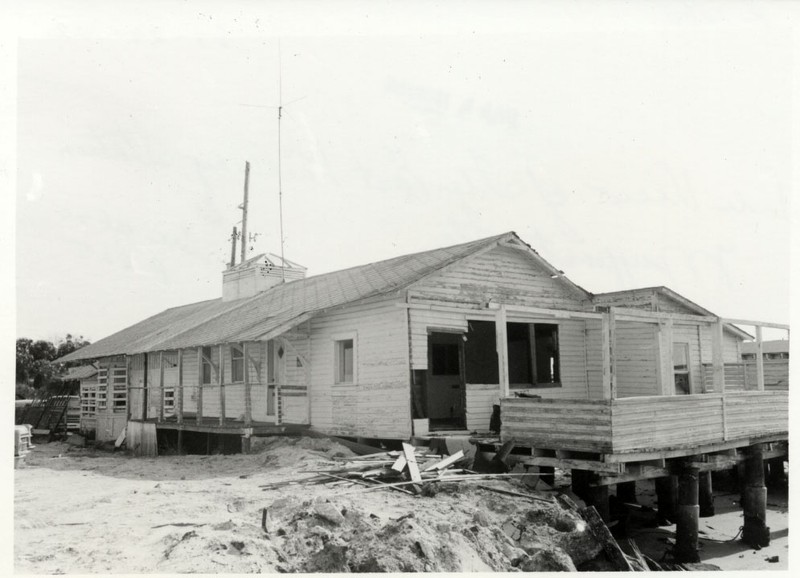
680	364
237	364
344	352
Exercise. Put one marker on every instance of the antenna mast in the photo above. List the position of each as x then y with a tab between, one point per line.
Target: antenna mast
280	188
243	206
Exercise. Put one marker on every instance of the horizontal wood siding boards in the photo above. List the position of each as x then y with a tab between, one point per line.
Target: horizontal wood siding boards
480	399
756	413
420	321
666	422
731	348
505	275
660	423
636	355
628	299
776	374
378	405
594	358
579	425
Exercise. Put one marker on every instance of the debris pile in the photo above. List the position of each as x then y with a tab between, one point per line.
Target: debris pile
405	470
465	528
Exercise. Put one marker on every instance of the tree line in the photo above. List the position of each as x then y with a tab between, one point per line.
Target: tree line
36	367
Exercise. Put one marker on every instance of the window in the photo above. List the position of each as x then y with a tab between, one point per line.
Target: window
344	352
533	354
102	388
88	400
119	389
680	364
208	366
444	359
547	364
237	364
480	353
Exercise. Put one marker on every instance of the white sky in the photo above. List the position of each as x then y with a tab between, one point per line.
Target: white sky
631	146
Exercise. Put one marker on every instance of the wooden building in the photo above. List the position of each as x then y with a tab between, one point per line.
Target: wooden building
441	335
623	386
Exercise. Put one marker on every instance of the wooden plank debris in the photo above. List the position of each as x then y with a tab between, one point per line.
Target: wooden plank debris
411	460
603	535
445	462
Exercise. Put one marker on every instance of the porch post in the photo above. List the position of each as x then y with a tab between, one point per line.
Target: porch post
612	338
716	356
221	380
179	400
161	385
605	334
128	413
759	359
248	417
666	375
199	412
501	331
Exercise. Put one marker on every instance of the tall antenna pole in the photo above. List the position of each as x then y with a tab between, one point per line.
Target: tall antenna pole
233	248
244	210
280	188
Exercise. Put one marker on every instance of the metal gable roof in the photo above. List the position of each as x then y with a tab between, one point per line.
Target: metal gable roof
216	321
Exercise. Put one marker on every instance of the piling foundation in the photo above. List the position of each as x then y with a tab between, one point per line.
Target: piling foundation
755	532
687	515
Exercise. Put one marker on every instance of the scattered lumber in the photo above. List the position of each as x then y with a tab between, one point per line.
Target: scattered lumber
396	470
603	535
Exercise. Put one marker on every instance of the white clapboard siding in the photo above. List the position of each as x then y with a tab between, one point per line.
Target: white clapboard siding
503	274
378	404
636	356
480	399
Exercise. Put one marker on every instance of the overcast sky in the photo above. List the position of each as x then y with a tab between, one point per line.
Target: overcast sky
630	146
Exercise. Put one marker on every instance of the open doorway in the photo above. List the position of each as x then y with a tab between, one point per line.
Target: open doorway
445	389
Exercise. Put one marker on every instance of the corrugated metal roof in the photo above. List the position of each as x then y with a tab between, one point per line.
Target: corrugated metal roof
81	372
216	321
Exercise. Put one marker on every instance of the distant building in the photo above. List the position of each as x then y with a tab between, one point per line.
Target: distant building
778	349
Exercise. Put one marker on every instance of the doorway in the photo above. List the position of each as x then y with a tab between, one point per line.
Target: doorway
445	387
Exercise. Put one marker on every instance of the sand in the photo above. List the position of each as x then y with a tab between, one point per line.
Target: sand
86	511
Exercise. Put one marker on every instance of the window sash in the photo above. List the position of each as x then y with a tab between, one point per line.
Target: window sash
237	364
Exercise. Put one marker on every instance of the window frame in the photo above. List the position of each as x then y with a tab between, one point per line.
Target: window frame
235	359
338	342
535	383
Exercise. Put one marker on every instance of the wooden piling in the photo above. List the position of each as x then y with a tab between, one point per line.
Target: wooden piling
755	532
180	442
580	483
706	497
246	444
666	494
598	497
626	492
547	474
687	516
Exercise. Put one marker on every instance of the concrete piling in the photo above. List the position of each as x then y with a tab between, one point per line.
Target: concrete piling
687	515
755	533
